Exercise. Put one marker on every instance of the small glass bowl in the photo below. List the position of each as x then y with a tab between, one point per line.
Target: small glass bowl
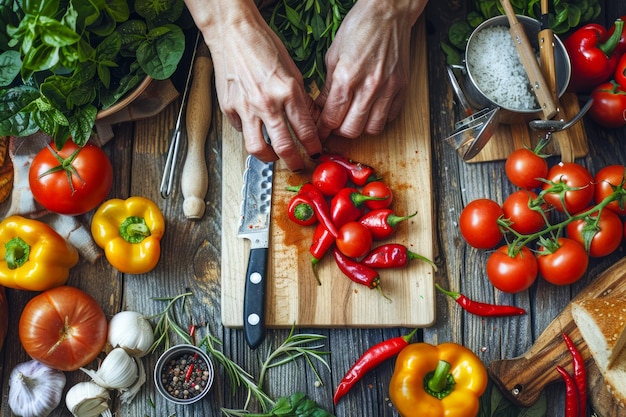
174	379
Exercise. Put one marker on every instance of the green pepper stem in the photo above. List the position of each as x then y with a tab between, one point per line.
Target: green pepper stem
609	45
17	252
134	229
439	379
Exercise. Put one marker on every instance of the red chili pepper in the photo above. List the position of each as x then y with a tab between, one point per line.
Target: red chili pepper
392	255
482	309
323	240
591	51
300	210
372	357
571	394
360	174
190	369
580	374
356	271
320	206
382	222
348	205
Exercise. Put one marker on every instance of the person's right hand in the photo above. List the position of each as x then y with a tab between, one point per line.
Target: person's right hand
257	82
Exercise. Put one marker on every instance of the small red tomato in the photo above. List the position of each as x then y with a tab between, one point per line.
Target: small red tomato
606	180
571	183
377	189
599	236
525	215
512	274
609	105
329	177
71	181
523	168
479	223
562	262
354	240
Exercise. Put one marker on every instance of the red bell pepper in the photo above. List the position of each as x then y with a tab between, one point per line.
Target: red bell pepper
620	72
609	105
593	56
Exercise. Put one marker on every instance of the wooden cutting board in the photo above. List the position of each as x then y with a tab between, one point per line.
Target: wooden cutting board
524	378
402	155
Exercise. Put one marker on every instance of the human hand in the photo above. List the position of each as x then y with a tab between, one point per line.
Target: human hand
257	82
368	68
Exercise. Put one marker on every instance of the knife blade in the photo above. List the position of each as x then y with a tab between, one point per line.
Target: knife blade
255	225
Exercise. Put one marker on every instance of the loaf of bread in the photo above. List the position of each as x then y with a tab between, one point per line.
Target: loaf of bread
602	323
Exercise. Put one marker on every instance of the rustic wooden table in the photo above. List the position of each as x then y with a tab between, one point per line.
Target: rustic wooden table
190	261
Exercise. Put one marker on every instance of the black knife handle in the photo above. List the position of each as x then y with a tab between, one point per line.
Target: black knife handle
254	297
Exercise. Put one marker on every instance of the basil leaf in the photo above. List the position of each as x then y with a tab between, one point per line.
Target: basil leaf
160	54
10	64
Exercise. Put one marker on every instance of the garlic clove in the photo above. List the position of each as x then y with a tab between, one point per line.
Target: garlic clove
132	332
118	370
88	399
35	389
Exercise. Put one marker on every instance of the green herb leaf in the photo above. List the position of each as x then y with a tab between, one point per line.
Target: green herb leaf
159	55
10	64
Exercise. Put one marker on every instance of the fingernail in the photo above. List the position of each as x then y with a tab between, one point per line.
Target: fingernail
316	156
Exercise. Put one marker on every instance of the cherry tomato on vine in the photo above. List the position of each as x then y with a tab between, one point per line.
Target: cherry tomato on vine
562	262
609	105
71	181
512	274
354	240
329	177
606	180
479	223
523	167
377	189
573	183
64	328
600	236
519	209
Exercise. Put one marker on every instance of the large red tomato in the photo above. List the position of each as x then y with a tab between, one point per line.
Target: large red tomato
564	262
570	187
64	328
71	181
479	223
512	274
525	168
600	236
607	180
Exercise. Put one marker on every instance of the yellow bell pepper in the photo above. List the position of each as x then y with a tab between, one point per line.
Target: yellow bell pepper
130	233
435	381
33	256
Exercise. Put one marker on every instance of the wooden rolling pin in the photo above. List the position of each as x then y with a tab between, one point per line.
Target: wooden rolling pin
529	61
194	178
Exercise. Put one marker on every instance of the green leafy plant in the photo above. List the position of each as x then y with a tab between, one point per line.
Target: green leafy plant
64	60
307	28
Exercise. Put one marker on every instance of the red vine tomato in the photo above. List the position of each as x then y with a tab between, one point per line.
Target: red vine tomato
329	177
512	274
599	236
64	328
609	105
354	240
562	262
380	190
606	180
479	223
524	214
71	181
523	168
570	187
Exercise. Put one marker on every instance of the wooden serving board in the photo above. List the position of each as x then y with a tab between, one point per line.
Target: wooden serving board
523	378
402	155
508	138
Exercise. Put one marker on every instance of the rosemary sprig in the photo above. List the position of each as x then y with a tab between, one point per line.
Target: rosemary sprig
168	323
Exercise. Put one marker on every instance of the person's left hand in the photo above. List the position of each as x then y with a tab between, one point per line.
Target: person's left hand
367	68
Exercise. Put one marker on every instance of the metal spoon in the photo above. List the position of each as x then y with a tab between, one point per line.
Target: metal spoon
558	125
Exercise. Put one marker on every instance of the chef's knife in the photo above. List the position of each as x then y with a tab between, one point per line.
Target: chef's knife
255	225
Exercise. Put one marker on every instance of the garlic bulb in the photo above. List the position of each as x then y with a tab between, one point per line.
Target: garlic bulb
131	331
35	389
88	399
118	370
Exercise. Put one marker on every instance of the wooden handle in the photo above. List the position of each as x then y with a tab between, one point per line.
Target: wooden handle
194	177
522	379
529	61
